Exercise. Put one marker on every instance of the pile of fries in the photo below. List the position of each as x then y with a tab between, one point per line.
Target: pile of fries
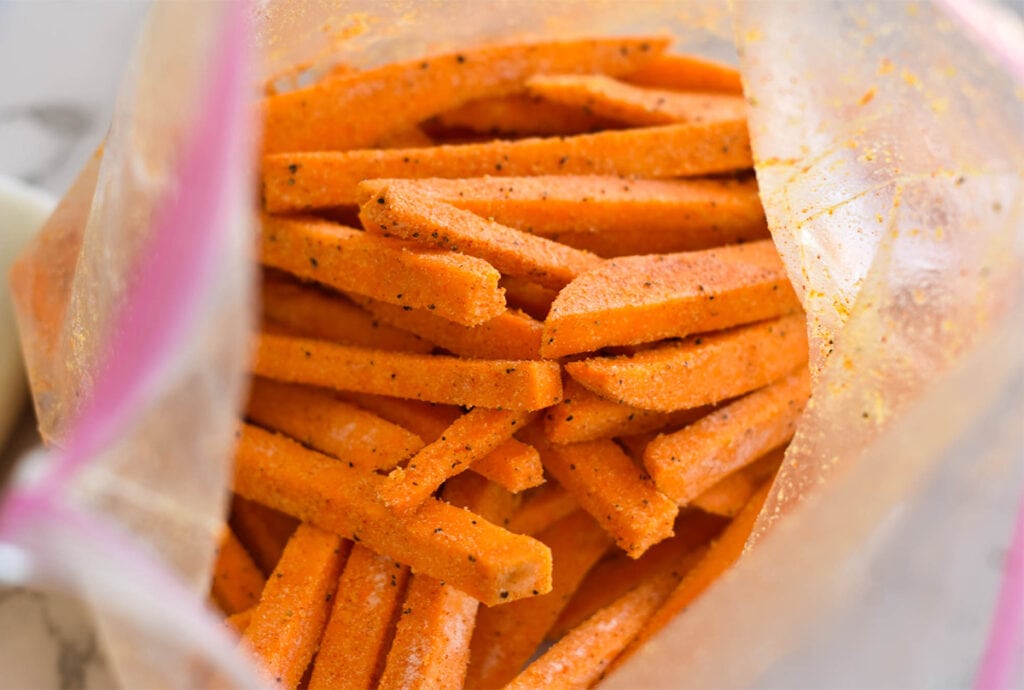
527	344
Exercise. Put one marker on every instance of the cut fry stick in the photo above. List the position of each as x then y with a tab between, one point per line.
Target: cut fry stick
506	636
520	114
513	465
510	335
585	416
634	445
533	299
728	496
263	531
637	105
426	420
308	312
607	484
469	438
687	73
339	429
639	299
237	582
239	622
302	181
458	287
700	370
287	623
362	623
690	461
439	542
616	575
494	383
542	507
396	96
603	214
440	225
486	498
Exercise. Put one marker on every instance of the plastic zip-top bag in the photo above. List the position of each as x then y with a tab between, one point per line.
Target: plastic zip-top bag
888	151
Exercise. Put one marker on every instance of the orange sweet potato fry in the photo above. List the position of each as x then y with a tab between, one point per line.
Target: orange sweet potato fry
426	420
510	335
640	299
469	438
609	486
602	214
362	622
636	105
357	109
439	541
728	496
688	462
458	287
437	224
494	383
309	312
286	625
237	582
263	531
585	416
513	465
506	636
687	73
531	298
239	622
542	507
700	370
303	181
520	114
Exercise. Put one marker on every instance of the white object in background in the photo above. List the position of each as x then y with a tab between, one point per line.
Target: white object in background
22	211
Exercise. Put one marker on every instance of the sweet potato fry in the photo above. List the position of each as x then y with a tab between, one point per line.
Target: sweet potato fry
602	214
469	438
541	508
640	299
688	462
513	465
331	426
286	625
237	582
494	383
585	416
303	181
510	335
426	420
440	540
309	312
687	73
728	496
486	498
458	287
636	105
506	636
700	370
362	622
357	109
440	225
609	486
239	622
520	114
529	297
263	531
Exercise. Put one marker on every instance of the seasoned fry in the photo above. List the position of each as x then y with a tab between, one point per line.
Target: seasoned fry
604	214
239	622
513	465
303	181
636	105
441	539
510	335
520	114
700	370
437	224
362	622
308	312
687	73
331	426
497	383
458	287
358	109
286	625
263	531
646	298
506	636
237	582
728	496
531	298
469	438
585	416
688	462
542	507
426	420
